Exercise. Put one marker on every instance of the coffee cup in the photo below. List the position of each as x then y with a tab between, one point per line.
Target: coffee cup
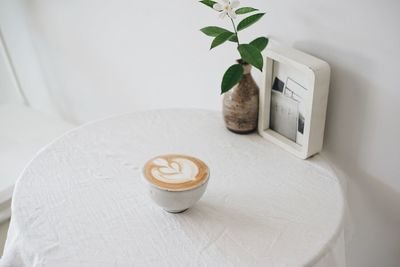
175	182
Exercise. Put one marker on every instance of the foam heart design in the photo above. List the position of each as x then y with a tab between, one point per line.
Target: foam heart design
177	170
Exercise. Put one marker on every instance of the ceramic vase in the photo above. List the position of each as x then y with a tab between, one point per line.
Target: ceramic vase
240	104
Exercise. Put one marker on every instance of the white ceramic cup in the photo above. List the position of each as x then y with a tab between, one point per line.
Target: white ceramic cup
175	200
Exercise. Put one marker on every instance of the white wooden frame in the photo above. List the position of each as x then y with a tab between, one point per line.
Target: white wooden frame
317	74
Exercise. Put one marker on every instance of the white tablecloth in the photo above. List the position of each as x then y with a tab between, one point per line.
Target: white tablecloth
81	201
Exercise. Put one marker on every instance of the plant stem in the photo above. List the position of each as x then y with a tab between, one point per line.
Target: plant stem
236	33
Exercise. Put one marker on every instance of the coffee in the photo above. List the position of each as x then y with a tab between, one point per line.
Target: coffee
176	172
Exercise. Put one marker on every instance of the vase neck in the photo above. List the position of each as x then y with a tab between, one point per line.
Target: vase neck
246	68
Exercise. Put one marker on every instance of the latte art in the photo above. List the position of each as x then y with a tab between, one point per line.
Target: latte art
179	170
176	172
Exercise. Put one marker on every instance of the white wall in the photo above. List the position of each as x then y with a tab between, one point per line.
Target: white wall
104	57
19	46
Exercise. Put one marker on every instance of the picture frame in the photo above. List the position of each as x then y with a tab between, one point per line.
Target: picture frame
293	100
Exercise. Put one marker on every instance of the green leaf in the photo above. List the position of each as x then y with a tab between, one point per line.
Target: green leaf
220	39
213	31
233	38
208	3
231	77
249	21
260	43
251	55
245	10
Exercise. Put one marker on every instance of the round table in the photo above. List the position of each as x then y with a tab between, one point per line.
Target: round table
81	201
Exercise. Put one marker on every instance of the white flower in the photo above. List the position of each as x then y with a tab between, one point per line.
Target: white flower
227	8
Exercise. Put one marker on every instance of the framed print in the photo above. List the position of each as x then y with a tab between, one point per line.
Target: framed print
293	100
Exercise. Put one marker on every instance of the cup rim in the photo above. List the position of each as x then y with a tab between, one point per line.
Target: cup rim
204	181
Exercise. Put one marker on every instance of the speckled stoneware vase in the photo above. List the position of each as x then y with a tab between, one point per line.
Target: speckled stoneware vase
240	104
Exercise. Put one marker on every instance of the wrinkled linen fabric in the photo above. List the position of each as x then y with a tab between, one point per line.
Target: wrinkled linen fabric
82	202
